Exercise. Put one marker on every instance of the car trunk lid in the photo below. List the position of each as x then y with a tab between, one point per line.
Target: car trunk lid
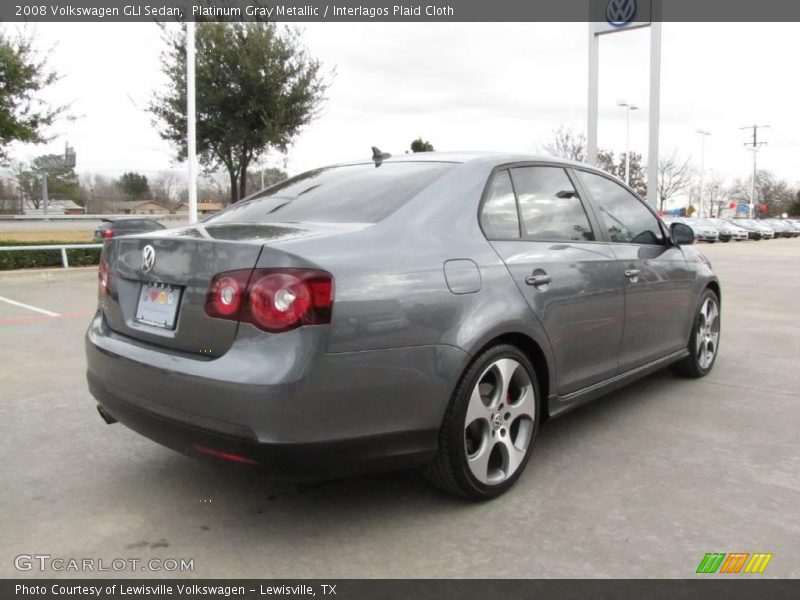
183	263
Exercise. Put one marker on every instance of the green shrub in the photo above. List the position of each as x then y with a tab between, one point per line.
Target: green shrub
27	259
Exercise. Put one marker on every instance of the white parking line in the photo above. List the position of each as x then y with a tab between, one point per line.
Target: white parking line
49	313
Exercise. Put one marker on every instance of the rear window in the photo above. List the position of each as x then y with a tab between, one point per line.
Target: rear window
347	194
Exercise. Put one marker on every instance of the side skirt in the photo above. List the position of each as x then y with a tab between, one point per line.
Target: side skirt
559	405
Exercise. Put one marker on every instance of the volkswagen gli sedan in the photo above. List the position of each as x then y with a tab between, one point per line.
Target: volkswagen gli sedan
429	310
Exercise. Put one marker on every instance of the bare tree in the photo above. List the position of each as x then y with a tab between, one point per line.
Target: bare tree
165	189
715	194
102	193
566	143
675	175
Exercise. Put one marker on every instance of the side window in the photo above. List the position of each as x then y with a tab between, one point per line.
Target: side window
499	217
550	206
621	213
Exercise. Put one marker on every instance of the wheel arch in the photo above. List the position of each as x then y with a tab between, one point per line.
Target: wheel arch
713	285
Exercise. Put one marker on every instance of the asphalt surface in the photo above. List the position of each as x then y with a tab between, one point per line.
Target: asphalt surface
641	483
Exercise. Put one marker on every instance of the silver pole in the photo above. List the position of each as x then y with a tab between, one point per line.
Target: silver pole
191	135
628	145
45	199
591	130
655	112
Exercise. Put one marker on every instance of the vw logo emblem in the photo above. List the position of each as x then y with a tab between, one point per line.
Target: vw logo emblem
497	421
148	258
620	12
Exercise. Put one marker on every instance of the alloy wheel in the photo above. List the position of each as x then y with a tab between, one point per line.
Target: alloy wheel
499	422
707	334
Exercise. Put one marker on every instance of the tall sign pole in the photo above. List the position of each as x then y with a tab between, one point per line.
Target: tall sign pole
191	115
655	113
594	76
621	15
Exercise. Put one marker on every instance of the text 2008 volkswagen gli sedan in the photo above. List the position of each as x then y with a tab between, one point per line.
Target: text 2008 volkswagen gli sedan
420	310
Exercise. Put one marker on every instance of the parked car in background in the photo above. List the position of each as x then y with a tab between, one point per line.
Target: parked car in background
727	231
767	232
794	224
702	232
754	230
782	228
430	309
125	226
724	231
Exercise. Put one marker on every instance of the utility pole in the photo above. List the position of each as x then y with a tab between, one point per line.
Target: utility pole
754	148
702	170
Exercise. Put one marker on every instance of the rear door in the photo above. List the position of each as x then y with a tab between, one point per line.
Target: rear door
536	221
654	272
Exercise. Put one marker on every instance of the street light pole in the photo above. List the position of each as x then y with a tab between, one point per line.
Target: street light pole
704	134
628	108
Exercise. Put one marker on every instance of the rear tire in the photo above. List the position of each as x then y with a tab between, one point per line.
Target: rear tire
704	340
490	426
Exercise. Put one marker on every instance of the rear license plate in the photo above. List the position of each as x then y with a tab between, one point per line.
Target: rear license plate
158	305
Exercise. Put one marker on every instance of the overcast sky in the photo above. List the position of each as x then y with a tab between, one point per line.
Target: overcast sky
461	86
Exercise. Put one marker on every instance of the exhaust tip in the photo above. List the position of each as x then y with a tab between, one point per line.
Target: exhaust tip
106	415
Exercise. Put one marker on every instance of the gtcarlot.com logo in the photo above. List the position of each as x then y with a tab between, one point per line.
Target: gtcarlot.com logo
734	562
46	562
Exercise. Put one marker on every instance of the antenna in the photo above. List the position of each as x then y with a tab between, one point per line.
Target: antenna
378	157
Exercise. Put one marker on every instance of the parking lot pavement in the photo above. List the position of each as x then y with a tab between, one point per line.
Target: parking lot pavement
641	483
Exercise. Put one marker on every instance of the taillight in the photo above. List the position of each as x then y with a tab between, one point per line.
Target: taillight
274	300
104	277
108	233
224	297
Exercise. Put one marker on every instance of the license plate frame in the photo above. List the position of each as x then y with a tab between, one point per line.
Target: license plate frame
158	304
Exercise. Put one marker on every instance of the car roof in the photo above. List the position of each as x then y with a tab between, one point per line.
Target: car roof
478	158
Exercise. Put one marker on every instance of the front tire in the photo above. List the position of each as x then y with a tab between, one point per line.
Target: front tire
490	425
704	341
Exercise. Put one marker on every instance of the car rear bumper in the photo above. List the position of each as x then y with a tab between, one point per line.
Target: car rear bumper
296	412
292	461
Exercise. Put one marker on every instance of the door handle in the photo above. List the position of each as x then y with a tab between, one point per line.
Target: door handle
632	273
537	280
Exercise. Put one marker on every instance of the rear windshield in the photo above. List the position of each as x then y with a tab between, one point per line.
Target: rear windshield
347	194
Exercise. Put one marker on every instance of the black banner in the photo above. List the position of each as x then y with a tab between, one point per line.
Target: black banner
616	12
409	589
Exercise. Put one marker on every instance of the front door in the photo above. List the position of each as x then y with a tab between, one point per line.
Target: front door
654	272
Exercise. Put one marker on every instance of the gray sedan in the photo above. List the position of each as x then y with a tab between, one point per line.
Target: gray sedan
429	310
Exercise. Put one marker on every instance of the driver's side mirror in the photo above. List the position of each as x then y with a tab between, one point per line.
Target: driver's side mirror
682	234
